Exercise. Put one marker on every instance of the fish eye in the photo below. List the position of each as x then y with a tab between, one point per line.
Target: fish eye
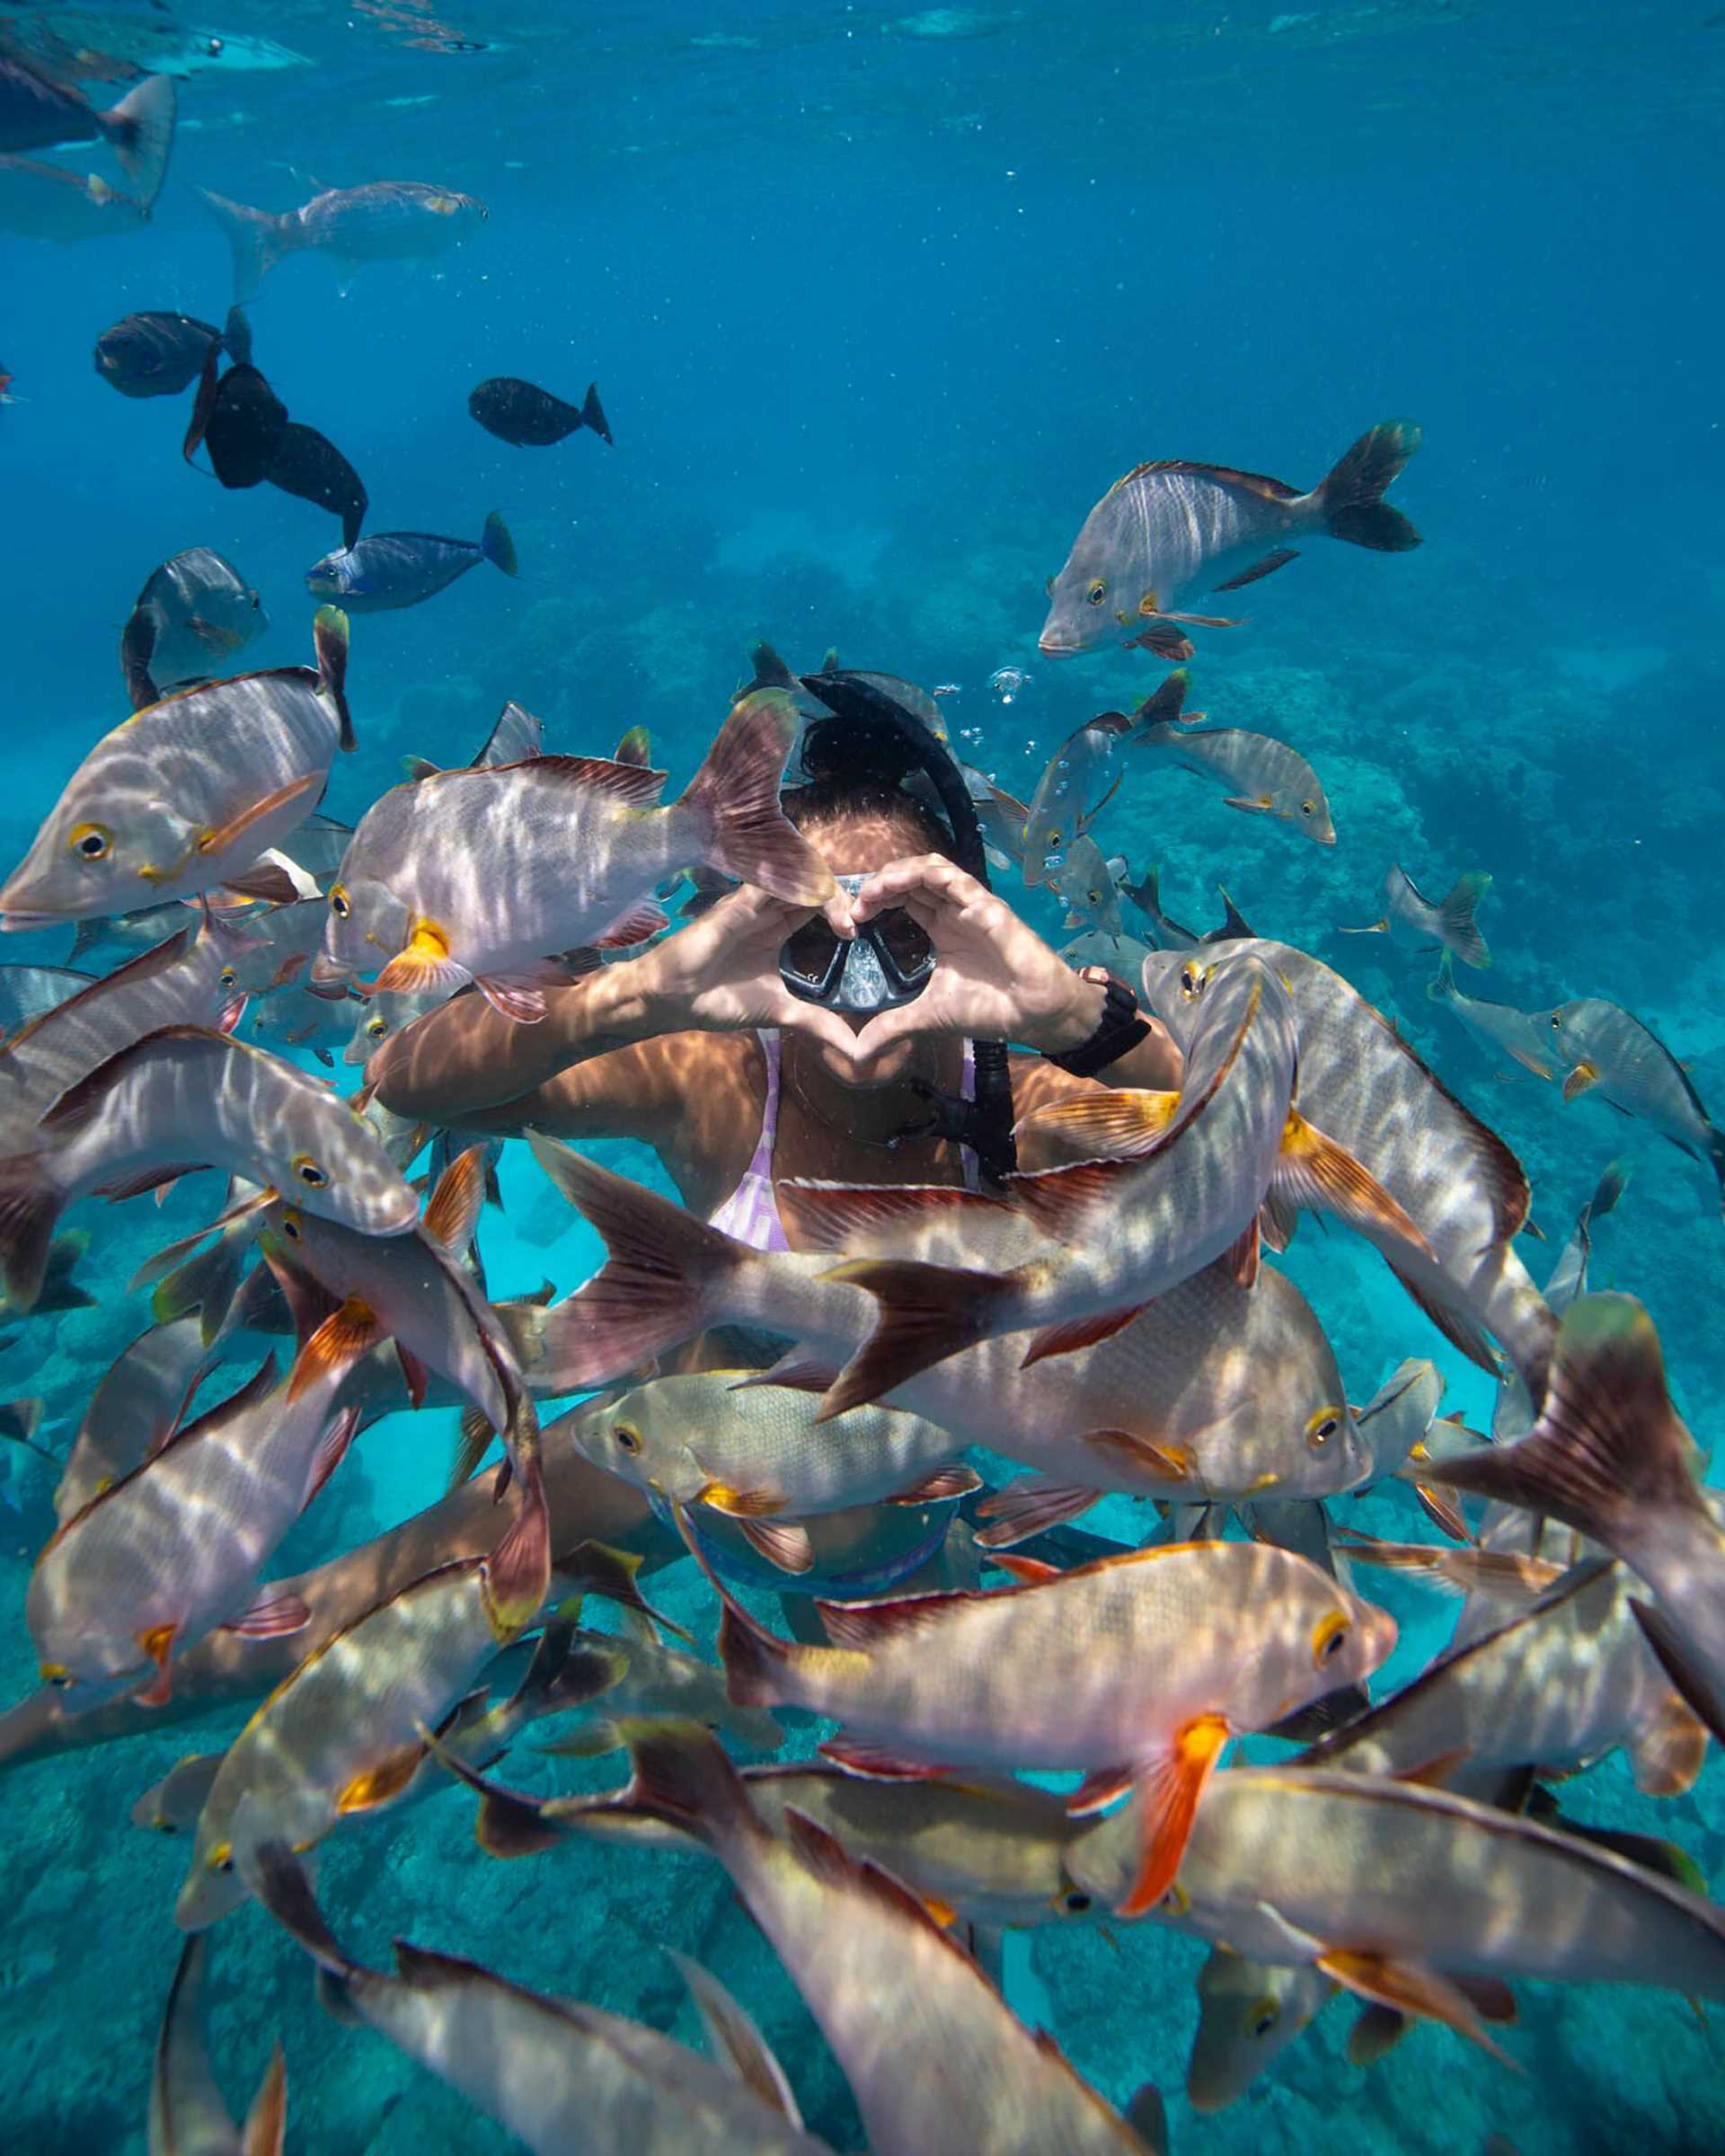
339	905
1191	982
1053	838
1329	1636
376	1028
1308	807
1322	1429
309	1172
627	1437
228	978
1098	591
221	1857
1076	1901
1264	2016
91	841
290	1226
1557	1021
256	602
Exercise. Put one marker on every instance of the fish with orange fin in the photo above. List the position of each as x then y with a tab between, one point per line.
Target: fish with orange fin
187	793
1414	1897
952	2074
761	1459
1135	1670
188	2117
560	2075
1167	529
1365	1088
1610	1457
173	1550
1189	1173
1608	1052
1265	776
410	1288
483	875
343	1731
1214	1388
185	1097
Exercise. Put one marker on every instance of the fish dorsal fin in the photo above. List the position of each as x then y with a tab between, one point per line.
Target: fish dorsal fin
736	2042
632	784
859	1220
145	966
868	1624
453	1214
1226	475
823	1856
81	1101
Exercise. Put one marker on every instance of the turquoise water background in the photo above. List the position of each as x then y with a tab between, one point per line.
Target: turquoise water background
879	304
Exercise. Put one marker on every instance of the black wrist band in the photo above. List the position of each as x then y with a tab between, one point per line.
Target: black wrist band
1118	1030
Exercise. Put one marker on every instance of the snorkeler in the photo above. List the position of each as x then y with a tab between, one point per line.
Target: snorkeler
763	1042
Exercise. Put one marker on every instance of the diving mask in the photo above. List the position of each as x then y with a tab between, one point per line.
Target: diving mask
889	963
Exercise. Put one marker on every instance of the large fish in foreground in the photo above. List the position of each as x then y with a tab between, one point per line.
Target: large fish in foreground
186	1097
938	2064
481	875
1168	529
1607	1051
1610	1455
385	221
1214	1389
1135	1670
560	2075
1366	1090
189	791
1406	1894
342	1732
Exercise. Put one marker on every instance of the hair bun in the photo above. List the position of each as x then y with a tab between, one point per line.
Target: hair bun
856	754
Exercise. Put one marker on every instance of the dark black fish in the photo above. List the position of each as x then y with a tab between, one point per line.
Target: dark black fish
36	112
158	355
240	420
309	465
533	419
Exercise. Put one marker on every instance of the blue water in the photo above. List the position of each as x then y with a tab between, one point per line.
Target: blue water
879	304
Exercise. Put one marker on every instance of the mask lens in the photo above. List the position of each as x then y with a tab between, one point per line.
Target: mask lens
904	941
810	960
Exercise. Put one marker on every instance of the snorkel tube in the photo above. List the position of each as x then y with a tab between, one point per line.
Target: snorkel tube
984	1124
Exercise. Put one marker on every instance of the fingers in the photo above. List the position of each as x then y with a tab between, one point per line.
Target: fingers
922	878
920	1021
793	1015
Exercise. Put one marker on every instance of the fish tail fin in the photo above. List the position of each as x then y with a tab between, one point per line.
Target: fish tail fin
1161	707
1608	1448
330	641
136	649
927	1313
257	239
593	413
497	546
140	132
266	2123
30	1206
660	1283
758	1666
682	1777
1350	501
1441	987
734	797
517	1572
206	1282
236	336
279	1879
1456	908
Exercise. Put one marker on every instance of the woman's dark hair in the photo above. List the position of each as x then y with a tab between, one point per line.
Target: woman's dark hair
859	768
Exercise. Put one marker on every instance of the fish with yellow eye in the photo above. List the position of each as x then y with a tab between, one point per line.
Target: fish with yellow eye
1609	1053
1081	776
1248	2014
481	875
384	221
1265	776
187	793
1135	1670
383	1016
344	1731
1170	528
1085	886
173	1550
185	1097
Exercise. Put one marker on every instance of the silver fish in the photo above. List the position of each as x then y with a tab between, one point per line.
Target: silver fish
1169	528
1268	777
1248	2014
1082	776
27	992
478	875
136	1404
1414	923
188	2117
1609	1051
189	791
1500	1028
194	612
41	202
386	570
38	111
1087	888
385	221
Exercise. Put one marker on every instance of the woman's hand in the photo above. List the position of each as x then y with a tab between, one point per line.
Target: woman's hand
720	974
994	979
